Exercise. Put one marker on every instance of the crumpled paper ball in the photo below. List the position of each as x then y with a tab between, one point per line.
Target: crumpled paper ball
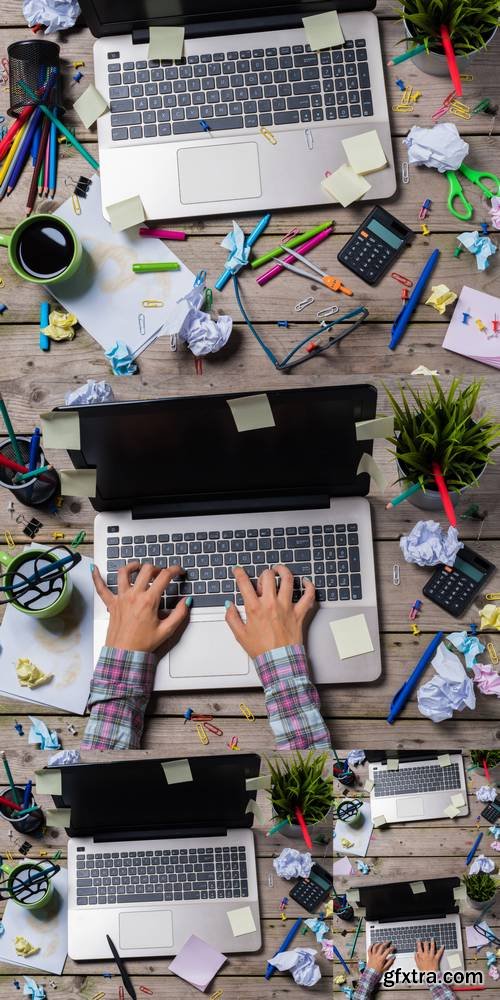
439	146
293	864
428	544
301	962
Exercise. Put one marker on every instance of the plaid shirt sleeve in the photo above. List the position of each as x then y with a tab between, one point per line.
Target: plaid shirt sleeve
119	692
366	985
442	993
292	701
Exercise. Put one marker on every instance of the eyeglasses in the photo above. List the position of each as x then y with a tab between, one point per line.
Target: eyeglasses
311	349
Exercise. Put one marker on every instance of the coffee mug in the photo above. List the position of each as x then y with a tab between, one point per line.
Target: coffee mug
14	563
43	249
20	873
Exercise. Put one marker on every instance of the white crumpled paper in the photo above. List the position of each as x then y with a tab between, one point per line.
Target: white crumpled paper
293	864
56	14
482	864
202	334
40	734
479	245
449	691
428	544
469	645
301	963
440	147
356	757
91	392
64	757
486	793
495	212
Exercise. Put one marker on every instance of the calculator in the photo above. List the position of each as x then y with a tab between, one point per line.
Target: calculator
492	813
455	590
375	246
311	892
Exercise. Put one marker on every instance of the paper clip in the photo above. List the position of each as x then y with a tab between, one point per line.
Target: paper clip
293	232
99	996
407	282
152	303
121	994
2	282
405	172
460	110
146	989
396	575
173	341
304	303
492	653
214	729
76	204
330	311
200	278
5	67
202	736
270	880
142	324
217	995
9	541
269	135
247	712
309	138
493	597
466	77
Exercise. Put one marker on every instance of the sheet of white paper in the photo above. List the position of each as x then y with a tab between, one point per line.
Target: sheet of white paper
261	781
61	430
352	636
466	338
251	413
61	818
444	760
323	31
241	920
49	781
417	887
78	482
105	293
62	646
177	772
379	427
46	929
342	867
165	43
359	836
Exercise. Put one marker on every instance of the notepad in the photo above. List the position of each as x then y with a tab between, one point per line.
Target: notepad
90	106
379	427
451	811
197	962
251	413
241	921
61	430
368	785
379	821
177	772
345	186
454	960
393	764
125	214
352	636
165	43
78	482
49	782
323	31
458	800
365	152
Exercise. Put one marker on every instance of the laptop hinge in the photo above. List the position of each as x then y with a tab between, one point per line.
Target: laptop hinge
140	36
245	505
419	916
170	834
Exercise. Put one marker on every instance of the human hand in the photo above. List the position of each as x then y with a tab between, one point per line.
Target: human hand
134	619
272	618
427	956
380	956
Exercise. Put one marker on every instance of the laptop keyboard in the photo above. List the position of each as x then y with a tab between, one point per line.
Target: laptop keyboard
405	938
159	876
409	780
234	90
327	554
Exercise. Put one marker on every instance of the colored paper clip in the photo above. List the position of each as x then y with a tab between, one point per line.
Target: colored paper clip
209	298
460	110
78	539
146	989
2	282
152	303
466	77
304	303
407	282
269	135
9	541
492	653
202	736
247	712
396	575
121	994
405	172
290	235
99	996
200	278
217	995
75	201
324	313
142	324
214	729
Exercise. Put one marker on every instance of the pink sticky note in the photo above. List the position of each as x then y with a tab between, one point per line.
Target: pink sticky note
197	963
342	867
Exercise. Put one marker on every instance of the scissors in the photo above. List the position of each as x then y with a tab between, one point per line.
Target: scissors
456	191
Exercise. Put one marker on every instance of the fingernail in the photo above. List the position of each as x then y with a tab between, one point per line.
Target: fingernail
189	601
92	567
305	579
228	604
238	566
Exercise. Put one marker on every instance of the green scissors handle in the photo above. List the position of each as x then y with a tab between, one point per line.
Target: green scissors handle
476	177
456	191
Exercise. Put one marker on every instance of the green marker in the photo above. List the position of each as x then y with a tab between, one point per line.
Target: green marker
151	268
290	244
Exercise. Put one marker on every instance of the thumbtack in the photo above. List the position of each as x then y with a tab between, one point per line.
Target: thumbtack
78	63
465	317
457	251
282	322
77	77
414	629
484	228
400	84
425	230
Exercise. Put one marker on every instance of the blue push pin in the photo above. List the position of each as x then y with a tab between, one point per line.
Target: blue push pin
187	715
3	308
484	228
400	84
77	77
205	126
473	628
19	729
282	322
465	317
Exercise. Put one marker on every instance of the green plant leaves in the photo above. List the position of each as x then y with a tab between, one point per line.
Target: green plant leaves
470	22
480	887
299	781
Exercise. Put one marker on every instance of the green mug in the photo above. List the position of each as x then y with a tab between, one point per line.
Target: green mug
13	564
14	883
43	249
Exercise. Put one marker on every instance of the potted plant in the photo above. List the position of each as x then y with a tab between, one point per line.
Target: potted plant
480	888
443	427
471	25
489	757
300	782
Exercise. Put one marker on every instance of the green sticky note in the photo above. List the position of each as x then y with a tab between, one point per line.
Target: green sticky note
49	782
380	427
252	413
262	781
78	482
58	817
242	921
177	771
166	43
125	214
90	106
61	430
323	31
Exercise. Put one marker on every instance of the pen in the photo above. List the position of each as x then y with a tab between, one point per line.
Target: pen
402	320
402	696
473	849
341	960
249	242
27	795
163	234
290	244
271	969
34	449
126	980
169	265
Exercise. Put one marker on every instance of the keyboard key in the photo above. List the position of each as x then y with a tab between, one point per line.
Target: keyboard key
115	93
133	118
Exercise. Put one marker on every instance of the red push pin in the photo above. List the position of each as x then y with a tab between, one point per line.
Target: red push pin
495	323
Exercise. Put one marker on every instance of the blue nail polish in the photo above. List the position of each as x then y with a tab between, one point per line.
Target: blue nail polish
92	567
189	601
228	604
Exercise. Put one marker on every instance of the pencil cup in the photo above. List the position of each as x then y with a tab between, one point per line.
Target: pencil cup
349	811
43	599
33	822
40	894
37	492
32	60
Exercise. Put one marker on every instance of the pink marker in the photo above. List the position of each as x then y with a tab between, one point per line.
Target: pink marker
163	234
290	259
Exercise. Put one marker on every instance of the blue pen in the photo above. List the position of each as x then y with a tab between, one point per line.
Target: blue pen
249	242
473	849
44	341
271	969
34	449
401	321
341	960
27	794
402	696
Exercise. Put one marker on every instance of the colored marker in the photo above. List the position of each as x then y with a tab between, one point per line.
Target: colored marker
354	943
271	969
27	795
150	268
443	493
44	340
163	234
290	244
404	693
23	476
305	832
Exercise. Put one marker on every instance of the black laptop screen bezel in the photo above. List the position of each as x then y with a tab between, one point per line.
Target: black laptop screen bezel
396	901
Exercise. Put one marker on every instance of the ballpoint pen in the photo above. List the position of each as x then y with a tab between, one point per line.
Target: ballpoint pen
271	969
402	320
402	696
126	980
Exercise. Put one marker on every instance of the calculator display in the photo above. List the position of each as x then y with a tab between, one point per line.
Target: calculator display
384	234
320	881
465	567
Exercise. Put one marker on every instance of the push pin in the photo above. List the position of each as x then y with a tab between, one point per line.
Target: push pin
484	228
457	251
480	325
71	729
473	628
78	63
57	535
465	317
495	325
187	715
405	295
424	211
77	77
400	84
415	610
282	322
425	230
414	629
10	505
19	729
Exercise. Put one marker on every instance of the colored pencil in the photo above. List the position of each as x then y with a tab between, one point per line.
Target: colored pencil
486	771
290	244
54	148
271	969
443	493
7	802
409	54
10	430
16	467
46	166
163	234
40	177
303	248
5	143
474	848
39	160
5	169
23	476
279	826
9	777
451	59
35	144
354	943
43	340
60	127
414	488
23	151
305	832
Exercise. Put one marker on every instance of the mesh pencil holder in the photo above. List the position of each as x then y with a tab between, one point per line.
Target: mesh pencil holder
32	61
37	492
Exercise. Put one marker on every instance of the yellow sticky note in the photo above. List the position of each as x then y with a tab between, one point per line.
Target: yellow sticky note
177	772
379	821
368	785
369	465
417	887
90	106
352	636
458	800
451	811
125	214
252	807
78	482
393	764
262	781
49	782
251	413
58	817
166	43
365	152
345	186
460	894
444	760
61	430
380	427
241	921
323	31
454	960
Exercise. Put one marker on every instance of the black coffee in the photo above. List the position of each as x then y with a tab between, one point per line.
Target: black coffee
45	248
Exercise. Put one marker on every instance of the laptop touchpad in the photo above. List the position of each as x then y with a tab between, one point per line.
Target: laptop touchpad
208	649
146	930
410	807
216	172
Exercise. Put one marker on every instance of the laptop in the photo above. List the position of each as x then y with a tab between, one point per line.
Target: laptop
420	789
178	483
246	66
159	850
396	913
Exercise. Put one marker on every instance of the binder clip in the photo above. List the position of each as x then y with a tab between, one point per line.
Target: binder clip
247	712
82	187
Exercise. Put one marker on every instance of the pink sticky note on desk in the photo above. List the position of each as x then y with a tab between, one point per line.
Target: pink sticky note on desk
197	963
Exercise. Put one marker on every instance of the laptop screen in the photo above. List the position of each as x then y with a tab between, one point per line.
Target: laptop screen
397	901
177	454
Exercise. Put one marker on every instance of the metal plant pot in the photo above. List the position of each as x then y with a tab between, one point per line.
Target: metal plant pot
435	64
